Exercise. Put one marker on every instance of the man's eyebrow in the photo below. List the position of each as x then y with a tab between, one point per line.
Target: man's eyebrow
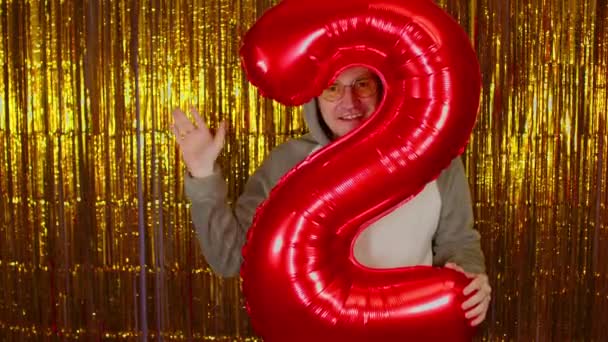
366	75
362	77
358	78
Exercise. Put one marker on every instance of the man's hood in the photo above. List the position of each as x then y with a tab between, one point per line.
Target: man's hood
318	129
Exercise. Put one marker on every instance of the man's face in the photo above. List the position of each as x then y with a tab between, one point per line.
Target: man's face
350	100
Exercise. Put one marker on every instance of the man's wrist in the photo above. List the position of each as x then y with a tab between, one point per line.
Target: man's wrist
201	173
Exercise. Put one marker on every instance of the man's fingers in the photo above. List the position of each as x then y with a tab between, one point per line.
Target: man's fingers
473	301
199	121
479	319
480	283
197	117
477	310
220	136
182	123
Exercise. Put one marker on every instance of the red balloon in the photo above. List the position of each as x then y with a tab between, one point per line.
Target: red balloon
300	279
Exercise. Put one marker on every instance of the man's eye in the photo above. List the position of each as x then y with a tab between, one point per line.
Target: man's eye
363	83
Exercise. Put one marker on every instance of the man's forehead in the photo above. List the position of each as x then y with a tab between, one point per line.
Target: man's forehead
354	74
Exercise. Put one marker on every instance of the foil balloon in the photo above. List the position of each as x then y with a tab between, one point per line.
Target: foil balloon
300	279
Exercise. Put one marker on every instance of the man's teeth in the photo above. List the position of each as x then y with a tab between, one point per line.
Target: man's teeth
351	116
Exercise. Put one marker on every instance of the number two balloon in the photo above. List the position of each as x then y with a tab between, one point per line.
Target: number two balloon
300	279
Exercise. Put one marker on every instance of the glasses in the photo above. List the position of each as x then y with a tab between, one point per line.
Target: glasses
362	88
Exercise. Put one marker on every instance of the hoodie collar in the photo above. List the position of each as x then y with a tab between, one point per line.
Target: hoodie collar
315	123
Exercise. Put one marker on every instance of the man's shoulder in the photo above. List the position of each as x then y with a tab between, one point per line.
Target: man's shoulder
287	155
295	148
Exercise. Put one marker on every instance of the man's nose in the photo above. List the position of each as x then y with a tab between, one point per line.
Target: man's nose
350	99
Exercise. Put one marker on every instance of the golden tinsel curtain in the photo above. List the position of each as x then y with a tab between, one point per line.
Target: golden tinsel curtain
95	237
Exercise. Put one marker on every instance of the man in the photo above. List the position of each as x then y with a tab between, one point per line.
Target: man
434	228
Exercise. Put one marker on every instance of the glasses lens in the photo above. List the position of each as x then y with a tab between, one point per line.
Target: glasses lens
365	87
333	92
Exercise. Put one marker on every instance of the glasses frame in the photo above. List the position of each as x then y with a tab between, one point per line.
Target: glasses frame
342	88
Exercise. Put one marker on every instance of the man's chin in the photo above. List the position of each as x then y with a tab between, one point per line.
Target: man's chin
346	128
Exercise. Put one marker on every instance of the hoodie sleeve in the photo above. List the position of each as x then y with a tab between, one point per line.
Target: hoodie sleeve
220	228
455	239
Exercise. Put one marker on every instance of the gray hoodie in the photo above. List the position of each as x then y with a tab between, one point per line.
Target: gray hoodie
221	228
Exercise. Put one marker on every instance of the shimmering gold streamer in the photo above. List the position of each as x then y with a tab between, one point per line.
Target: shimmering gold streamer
68	198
